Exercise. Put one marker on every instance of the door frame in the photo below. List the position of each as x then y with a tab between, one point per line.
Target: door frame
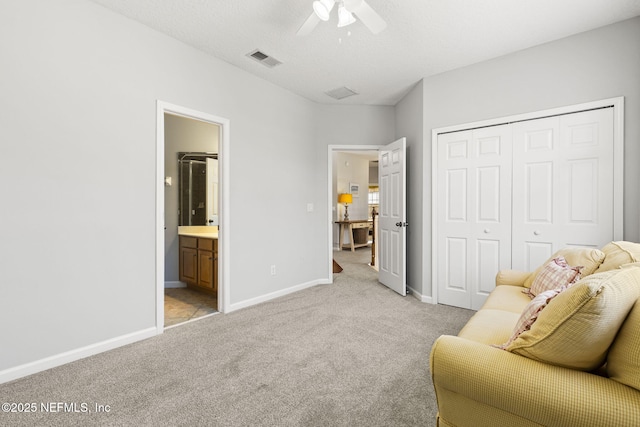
224	183
618	164
334	149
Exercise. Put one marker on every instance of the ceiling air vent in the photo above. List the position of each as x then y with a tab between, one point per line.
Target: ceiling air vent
263	58
341	93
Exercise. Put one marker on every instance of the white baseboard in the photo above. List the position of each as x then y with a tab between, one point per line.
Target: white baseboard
73	355
273	295
420	297
174	284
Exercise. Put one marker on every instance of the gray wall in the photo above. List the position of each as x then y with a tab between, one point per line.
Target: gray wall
79	89
410	124
599	64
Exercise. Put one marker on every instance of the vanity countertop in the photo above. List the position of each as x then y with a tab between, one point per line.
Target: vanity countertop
208	232
198	234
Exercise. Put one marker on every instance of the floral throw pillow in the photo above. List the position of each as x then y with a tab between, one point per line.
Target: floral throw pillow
557	273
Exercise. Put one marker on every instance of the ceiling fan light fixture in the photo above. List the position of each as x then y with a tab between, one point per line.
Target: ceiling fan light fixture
344	17
322	8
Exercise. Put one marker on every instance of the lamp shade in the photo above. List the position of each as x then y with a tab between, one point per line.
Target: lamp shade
345	198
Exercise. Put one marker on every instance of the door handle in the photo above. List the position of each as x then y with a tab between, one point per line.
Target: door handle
537	233
487	231
402	224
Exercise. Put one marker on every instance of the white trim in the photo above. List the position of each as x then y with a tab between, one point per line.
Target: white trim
434	215
191	320
225	217
174	284
73	355
422	298
276	294
618	164
330	151
615	102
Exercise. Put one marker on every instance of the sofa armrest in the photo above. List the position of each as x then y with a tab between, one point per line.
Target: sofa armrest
468	375
511	277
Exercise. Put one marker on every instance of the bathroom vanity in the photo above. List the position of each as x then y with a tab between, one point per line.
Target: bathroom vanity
199	260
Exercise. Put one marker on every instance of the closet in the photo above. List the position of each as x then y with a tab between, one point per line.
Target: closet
509	195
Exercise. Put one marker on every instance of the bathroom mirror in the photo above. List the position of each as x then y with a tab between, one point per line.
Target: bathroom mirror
198	189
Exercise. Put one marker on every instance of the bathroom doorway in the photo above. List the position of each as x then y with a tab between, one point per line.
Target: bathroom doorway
192	201
191	218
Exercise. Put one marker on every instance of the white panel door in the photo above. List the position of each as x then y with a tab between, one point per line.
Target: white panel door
474	213
212	192
562	185
392	222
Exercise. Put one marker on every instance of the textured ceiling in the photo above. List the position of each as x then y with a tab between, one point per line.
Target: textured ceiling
422	38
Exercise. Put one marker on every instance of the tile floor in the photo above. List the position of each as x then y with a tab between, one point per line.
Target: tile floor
183	304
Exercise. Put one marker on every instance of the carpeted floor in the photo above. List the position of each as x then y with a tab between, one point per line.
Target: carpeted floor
353	353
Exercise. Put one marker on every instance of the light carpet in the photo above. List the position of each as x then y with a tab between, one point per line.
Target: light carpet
352	353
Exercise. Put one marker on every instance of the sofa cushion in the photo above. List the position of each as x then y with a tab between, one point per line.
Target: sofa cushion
623	361
589	258
512	277
490	326
619	253
507	298
577	327
555	274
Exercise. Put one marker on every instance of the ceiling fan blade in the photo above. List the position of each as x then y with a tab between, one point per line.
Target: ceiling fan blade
308	25
366	14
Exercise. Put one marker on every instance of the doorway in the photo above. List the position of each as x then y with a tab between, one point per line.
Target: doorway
167	216
191	218
353	172
392	214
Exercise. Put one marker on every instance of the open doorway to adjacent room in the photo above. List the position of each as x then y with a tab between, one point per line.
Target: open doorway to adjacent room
355	196
348	185
191	202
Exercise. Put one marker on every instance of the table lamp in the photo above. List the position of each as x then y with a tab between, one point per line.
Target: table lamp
345	198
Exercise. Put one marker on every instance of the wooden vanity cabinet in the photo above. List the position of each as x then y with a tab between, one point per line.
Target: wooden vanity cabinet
199	263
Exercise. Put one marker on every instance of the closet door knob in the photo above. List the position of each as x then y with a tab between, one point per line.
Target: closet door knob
537	233
487	231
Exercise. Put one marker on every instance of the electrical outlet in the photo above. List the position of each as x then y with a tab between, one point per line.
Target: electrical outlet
273	270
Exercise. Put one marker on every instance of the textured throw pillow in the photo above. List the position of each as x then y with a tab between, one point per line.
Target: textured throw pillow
555	274
623	360
618	253
530	313
577	327
589	258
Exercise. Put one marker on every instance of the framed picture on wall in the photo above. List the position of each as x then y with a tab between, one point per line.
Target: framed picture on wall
354	189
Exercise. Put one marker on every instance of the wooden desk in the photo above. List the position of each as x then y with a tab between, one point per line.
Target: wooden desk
350	226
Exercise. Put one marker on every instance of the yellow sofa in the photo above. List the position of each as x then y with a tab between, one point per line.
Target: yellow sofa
577	365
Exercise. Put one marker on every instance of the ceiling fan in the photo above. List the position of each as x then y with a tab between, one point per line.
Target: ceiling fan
346	10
